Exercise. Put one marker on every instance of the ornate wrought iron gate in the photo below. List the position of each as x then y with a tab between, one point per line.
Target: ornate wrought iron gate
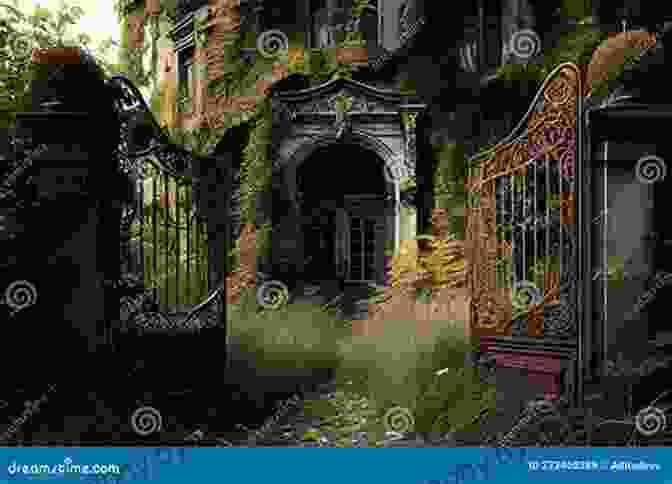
522	235
166	244
164	249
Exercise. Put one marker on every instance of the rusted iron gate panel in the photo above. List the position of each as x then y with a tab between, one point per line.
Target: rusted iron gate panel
522	231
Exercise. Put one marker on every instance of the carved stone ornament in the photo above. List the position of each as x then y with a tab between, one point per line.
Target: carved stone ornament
410	141
342	124
282	112
359	104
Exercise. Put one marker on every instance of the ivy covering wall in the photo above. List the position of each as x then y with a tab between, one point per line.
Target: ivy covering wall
241	81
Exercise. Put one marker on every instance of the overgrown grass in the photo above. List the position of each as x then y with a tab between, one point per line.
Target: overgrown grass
296	336
422	375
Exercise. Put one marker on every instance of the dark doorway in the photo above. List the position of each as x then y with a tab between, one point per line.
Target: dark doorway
319	240
323	181
661	240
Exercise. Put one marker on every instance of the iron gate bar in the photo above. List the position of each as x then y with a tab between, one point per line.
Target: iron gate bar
177	241
166	248
155	236
188	203
169	161
514	232
548	195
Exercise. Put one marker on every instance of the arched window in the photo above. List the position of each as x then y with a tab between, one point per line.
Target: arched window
403	17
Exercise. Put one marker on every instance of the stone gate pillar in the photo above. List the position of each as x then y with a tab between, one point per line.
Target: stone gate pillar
74	230
67	219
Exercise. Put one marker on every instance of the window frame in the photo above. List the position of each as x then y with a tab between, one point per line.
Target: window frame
185	79
313	7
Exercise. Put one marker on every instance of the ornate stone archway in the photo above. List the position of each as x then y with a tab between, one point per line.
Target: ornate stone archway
347	112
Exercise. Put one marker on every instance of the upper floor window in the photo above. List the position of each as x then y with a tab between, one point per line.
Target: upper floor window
481	49
403	17
186	79
329	22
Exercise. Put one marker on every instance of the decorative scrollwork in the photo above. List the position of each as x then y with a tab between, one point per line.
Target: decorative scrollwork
173	159
548	145
342	124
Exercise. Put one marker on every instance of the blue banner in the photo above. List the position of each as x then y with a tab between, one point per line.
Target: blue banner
337	466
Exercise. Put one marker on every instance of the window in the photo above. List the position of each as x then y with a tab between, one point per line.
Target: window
186	80
403	17
370	24
481	49
329	18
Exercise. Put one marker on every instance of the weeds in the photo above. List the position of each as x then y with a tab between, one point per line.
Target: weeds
423	374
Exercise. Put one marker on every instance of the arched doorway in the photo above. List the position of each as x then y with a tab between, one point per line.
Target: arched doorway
346	217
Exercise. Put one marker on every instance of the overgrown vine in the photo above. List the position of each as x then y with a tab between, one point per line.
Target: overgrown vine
131	59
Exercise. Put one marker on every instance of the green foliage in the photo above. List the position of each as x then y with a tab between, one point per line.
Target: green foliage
322	64
155	102
450	175
541	267
20	33
237	81
131	60
407	85
295	336
449	184
576	9
616	269
504	268
359	7
256	168
576	47
123	7
400	369
199	141
175	246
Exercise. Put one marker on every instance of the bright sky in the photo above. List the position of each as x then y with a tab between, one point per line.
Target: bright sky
99	21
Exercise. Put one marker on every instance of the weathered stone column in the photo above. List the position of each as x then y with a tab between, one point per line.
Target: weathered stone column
79	252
